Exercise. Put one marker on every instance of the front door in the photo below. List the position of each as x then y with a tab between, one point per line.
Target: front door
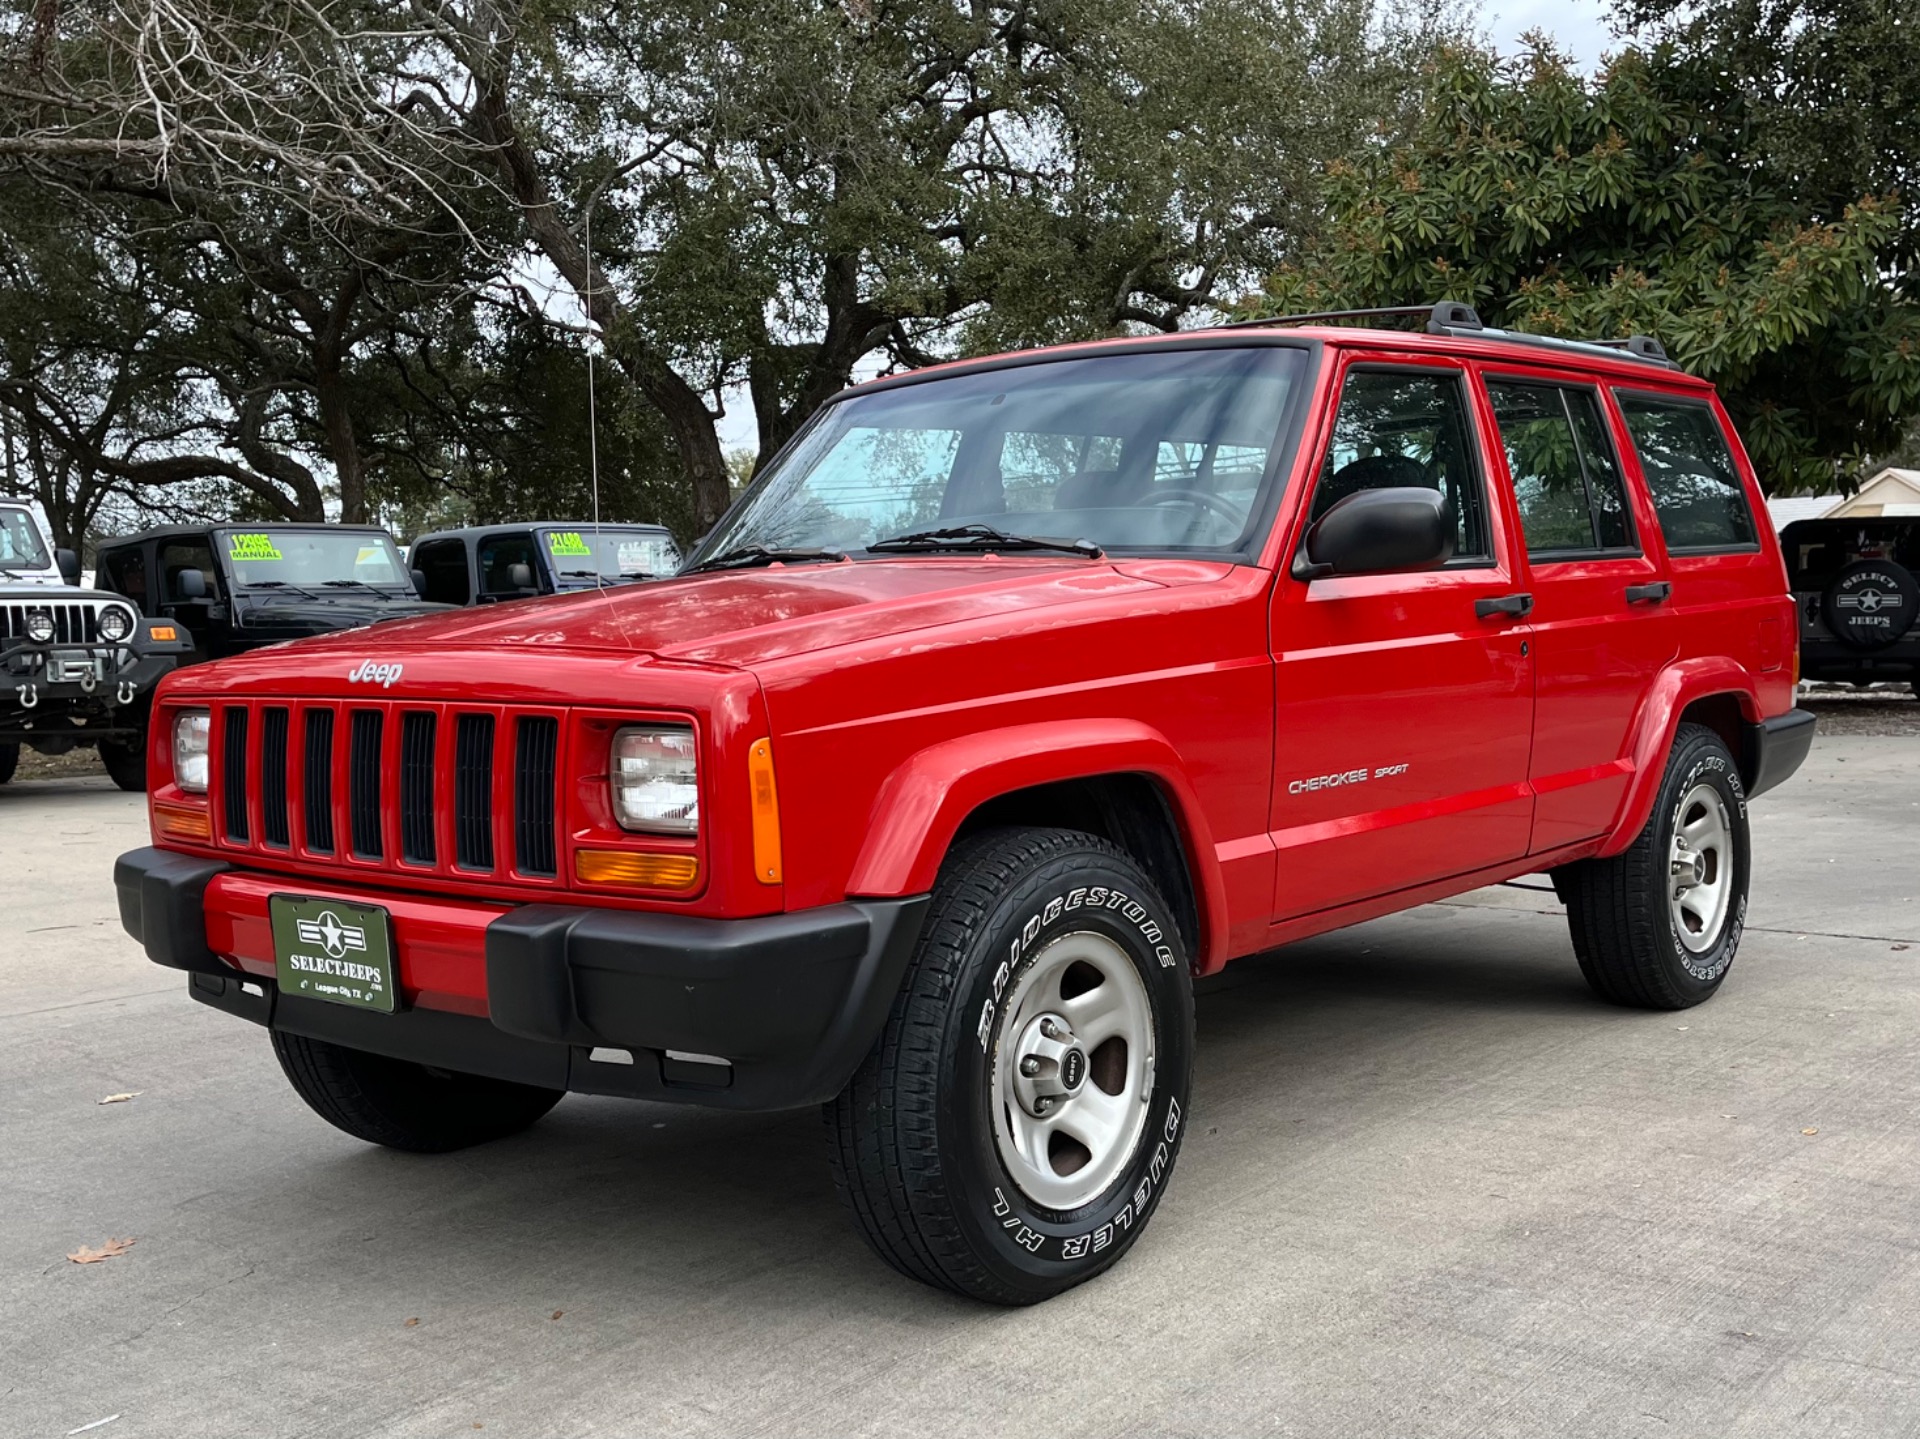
1404	701
1602	624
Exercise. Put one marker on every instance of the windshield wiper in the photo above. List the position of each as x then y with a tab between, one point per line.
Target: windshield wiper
282	585
748	556
981	537
342	584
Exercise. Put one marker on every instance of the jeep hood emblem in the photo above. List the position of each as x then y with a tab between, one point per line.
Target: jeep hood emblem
369	673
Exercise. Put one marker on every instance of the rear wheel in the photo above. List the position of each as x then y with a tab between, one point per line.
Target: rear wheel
1016	1123
1657	926
126	763
9	761
403	1105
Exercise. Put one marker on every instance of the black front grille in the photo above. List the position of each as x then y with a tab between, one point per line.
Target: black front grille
317	792
363	784
536	747
234	775
416	787
73	624
273	777
473	791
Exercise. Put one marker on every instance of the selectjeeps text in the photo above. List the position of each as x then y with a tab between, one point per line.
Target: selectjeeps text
1012	696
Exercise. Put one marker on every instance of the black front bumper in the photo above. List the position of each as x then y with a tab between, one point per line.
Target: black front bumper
791	1002
1776	747
32	704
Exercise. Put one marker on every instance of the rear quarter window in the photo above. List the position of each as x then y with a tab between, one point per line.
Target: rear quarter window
1689	467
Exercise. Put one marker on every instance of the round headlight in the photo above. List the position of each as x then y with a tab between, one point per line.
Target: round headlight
40	627
115	623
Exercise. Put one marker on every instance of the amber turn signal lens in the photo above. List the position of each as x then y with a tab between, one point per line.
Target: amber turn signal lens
183	821
163	633
675	872
766	813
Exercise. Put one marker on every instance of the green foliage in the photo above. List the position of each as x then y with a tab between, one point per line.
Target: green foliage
1618	205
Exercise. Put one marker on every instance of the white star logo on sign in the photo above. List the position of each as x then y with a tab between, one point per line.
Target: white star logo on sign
332	934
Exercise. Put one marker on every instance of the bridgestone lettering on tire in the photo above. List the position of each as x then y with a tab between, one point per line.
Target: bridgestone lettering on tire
402	1105
1025	928
1658	925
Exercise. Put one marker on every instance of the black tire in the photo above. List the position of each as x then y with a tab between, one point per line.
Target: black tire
126	764
9	761
1625	929
403	1105
915	1156
1871	604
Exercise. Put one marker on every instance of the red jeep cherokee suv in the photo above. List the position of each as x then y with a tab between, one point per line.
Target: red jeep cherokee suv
1013	695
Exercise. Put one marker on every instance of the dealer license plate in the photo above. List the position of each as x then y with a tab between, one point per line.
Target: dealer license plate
342	953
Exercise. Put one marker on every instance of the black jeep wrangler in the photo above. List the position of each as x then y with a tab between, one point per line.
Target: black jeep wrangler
76	668
1854	582
232	588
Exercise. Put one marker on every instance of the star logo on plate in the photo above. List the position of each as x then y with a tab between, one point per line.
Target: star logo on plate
332	934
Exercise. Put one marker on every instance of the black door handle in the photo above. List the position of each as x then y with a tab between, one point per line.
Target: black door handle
1519	606
1651	594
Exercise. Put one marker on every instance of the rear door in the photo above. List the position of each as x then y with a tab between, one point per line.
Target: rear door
1405	701
1602	621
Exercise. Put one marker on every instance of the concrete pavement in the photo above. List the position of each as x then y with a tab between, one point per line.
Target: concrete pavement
1430	1188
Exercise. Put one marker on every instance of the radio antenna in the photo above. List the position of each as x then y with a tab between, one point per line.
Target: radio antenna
593	422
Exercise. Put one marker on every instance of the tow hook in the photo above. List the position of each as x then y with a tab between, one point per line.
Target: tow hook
29	694
88	679
124	695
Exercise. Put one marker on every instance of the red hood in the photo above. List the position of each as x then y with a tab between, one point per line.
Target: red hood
738	617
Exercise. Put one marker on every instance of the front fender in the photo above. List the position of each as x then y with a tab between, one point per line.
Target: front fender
922	804
1678	686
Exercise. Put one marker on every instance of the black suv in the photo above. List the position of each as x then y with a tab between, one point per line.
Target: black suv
1854	582
491	563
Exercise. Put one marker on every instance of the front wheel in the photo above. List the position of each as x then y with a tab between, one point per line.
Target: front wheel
9	761
1017	1121
126	763
1657	926
403	1105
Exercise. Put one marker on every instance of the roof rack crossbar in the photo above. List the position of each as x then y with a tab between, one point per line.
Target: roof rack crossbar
1442	318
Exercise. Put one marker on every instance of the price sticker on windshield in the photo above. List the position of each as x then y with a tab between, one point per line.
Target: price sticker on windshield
568	543
252	547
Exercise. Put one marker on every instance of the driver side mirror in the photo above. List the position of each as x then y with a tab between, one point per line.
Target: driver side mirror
419	582
189	585
520	576
69	565
1378	532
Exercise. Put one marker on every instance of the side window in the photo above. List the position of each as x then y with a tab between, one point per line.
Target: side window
507	567
180	556
127	575
1696	490
1397	429
1564	474
444	563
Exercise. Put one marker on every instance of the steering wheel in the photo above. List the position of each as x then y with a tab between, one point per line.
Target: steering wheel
1198	497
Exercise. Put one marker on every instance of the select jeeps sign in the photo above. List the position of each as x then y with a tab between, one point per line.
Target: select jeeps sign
1872	603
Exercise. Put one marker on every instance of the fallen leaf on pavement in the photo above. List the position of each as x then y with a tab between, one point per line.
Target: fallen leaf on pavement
1809	1131
558	1312
411	1324
1903	946
84	1255
123	1098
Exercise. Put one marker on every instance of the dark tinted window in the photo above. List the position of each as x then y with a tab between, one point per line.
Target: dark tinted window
1696	490
126	573
443	564
179	556
507	567
1402	430
1564	474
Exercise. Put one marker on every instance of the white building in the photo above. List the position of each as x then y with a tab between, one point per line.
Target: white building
1891	492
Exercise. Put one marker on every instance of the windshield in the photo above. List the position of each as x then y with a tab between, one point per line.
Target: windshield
1156	450
310	559
20	544
611	552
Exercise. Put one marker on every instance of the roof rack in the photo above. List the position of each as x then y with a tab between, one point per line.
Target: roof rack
1453	317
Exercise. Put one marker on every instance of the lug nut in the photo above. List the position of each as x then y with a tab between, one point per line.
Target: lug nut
1030	1066
1049	1029
1042	1105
